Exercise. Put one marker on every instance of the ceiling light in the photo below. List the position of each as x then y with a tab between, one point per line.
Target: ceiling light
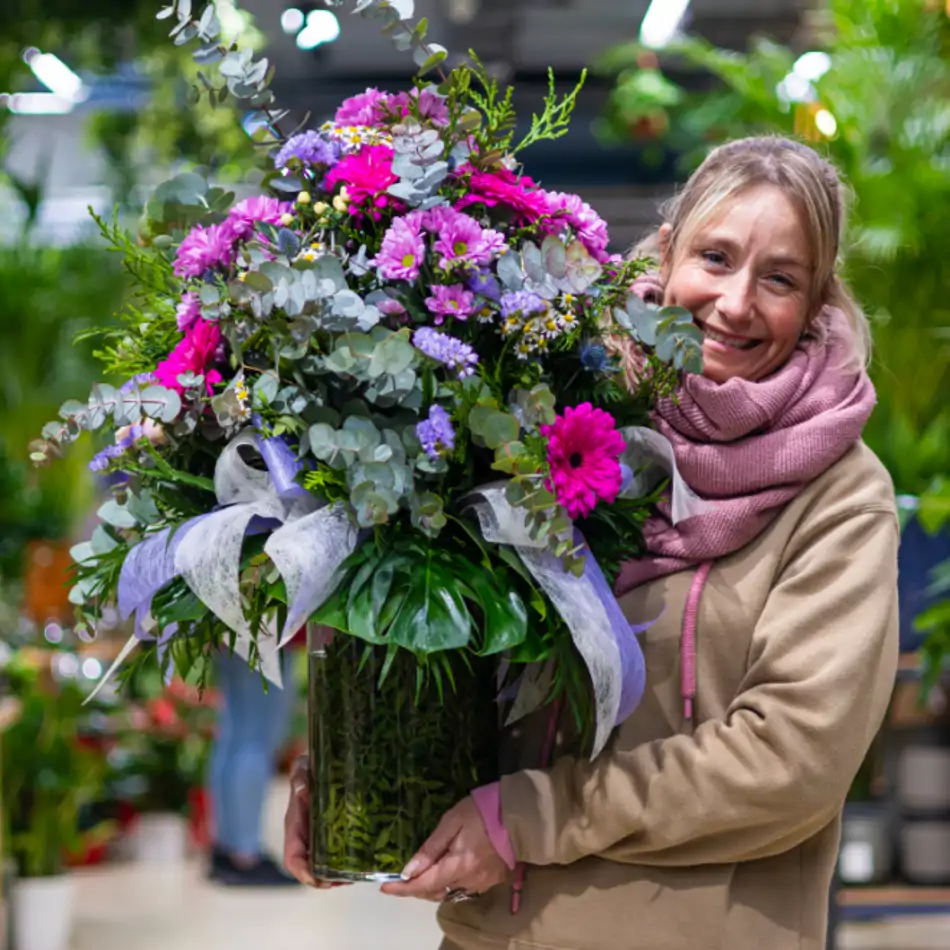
322	27
812	66
292	21
661	22
50	70
36	103
826	123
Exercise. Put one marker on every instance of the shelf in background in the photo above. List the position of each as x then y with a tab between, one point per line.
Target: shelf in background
869	903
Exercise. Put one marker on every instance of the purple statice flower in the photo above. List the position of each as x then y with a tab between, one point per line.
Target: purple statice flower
204	248
102	460
188	310
523	302
485	284
446	349
245	214
450	301
309	148
403	249
368	108
587	224
462	239
137	382
436	433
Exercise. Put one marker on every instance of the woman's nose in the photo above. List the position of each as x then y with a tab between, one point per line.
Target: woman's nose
736	298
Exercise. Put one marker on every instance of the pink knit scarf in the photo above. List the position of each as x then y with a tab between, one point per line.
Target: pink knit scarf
751	447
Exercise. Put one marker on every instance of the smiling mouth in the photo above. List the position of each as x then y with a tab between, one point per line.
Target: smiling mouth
727	339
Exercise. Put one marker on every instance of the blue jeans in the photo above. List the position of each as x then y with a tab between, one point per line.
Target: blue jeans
251	726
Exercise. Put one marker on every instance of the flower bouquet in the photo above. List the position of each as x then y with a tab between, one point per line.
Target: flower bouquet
384	399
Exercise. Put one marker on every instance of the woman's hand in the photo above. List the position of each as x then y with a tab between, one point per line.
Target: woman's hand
297	828
459	856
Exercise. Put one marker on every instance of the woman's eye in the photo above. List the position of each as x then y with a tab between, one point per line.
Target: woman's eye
782	281
717	258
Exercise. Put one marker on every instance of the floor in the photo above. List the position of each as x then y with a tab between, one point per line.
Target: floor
175	909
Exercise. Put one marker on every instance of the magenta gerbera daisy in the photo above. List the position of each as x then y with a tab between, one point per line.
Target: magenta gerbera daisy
367	176
194	353
584	449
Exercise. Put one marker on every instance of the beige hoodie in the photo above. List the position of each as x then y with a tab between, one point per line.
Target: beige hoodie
724	837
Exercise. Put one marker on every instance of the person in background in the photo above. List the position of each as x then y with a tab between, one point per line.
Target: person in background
712	818
253	724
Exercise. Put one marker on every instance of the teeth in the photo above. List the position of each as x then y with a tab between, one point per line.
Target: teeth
719	338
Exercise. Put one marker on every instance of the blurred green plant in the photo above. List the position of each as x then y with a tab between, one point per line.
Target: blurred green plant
95	36
47	773
882	113
47	297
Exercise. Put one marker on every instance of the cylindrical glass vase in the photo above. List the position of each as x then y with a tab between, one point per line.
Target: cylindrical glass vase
387	757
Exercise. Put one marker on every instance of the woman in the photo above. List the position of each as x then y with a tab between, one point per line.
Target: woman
712	819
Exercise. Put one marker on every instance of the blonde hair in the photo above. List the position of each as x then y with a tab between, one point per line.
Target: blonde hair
814	188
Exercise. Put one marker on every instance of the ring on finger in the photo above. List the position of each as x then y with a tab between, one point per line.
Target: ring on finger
457	895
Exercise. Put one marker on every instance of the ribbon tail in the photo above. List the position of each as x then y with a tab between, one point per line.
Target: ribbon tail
124	654
648	449
308	553
210	562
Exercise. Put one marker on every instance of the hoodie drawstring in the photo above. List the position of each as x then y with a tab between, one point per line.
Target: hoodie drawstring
688	639
687	690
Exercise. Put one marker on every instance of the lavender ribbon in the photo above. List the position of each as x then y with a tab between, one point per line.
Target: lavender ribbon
249	501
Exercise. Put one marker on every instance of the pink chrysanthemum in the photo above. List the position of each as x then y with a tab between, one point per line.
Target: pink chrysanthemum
450	301
502	187
432	106
402	250
584	449
367	176
368	108
587	224
462	239
194	354
246	213
188	310
205	247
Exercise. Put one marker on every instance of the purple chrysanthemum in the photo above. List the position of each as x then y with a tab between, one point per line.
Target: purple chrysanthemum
450	301
204	248
462	239
523	302
436	433
391	307
368	108
403	249
587	224
309	148
432	107
446	349
188	310
245	214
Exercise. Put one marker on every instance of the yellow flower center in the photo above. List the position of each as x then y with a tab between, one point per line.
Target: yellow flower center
408	260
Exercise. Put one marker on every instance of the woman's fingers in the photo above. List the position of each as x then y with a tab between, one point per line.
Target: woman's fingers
297	826
432	884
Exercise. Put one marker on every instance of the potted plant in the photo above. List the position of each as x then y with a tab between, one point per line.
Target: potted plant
48	775
159	761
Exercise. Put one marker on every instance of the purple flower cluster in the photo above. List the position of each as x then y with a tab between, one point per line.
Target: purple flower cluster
309	148
205	247
245	214
461	242
523	302
450	301
446	349
436	433
188	311
102	460
137	382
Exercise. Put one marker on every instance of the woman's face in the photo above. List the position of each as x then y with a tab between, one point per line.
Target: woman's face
746	278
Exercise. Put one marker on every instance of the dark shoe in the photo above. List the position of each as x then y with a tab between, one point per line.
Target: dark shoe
265	873
218	863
